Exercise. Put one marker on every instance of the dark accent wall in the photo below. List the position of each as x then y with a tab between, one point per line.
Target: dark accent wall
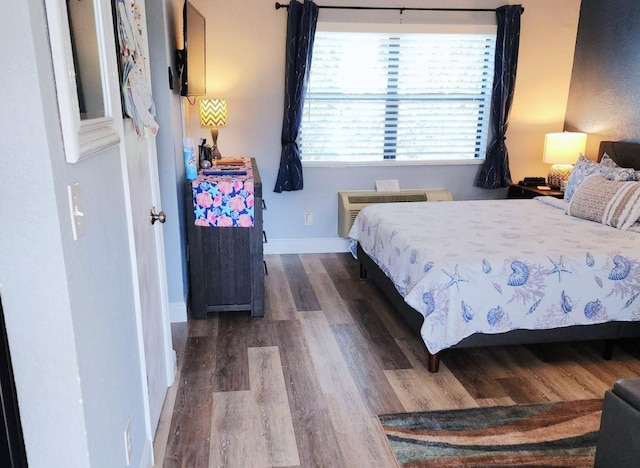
604	95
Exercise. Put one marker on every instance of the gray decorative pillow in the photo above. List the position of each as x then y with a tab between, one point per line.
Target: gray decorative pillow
582	169
610	170
617	173
607	168
607	161
613	203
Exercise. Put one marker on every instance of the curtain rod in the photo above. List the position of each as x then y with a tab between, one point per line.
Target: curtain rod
400	9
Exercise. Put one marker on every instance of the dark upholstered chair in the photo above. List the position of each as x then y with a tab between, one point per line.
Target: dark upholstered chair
619	438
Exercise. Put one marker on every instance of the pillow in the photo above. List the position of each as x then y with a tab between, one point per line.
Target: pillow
582	169
610	202
617	173
608	169
612	171
607	161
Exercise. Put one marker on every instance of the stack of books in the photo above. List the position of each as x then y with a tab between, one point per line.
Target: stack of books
226	166
229	162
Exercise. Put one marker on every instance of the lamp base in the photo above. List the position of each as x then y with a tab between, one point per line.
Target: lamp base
215	152
558	174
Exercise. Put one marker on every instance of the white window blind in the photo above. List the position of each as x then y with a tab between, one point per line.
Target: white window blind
374	96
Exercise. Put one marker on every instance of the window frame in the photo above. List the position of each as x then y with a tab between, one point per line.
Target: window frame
442	28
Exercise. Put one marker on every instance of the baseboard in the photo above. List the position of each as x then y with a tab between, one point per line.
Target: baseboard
306	245
147	455
177	312
172	368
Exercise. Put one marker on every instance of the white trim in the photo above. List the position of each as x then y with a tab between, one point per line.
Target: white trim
147	455
82	138
388	162
306	245
178	312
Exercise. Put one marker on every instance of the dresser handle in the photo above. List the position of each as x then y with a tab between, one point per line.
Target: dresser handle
266	271
264	237
264	204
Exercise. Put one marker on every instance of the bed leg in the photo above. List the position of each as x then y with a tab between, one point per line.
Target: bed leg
607	353
363	272
434	363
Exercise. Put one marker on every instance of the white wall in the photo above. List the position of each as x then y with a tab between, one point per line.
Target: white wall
245	65
68	304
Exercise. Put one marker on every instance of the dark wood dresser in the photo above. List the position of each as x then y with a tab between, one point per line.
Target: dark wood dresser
226	267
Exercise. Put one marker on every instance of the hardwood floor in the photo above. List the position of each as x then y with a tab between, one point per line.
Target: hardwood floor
303	385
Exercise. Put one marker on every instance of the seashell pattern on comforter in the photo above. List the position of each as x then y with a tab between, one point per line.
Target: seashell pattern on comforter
494	266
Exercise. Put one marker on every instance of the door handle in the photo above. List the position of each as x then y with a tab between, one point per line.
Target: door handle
157	216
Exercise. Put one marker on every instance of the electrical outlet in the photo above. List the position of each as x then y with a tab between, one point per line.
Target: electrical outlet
308	219
127	442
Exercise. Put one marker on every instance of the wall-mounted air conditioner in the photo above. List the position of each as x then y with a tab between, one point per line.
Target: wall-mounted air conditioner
350	203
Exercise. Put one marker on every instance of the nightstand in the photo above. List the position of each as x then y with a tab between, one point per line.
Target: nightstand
522	191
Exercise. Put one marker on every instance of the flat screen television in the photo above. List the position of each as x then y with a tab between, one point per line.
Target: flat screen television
192	58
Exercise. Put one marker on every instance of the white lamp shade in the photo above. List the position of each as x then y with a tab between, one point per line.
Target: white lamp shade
563	148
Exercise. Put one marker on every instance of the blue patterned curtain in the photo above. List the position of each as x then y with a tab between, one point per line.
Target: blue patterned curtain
301	29
495	171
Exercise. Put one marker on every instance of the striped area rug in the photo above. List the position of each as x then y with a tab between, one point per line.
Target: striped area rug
545	434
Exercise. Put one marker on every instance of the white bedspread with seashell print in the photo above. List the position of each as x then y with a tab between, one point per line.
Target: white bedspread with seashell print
496	265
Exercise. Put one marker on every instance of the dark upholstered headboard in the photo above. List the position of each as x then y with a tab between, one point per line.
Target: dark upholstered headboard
625	154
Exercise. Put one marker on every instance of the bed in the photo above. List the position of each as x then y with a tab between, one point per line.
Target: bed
501	272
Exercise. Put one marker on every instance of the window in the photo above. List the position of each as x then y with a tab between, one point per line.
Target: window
398	96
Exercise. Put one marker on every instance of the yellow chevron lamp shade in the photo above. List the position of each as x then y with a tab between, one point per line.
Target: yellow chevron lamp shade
213	114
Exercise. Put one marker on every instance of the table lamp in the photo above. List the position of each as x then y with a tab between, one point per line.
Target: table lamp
561	150
213	113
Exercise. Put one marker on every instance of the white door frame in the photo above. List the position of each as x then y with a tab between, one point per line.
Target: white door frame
169	353
169	356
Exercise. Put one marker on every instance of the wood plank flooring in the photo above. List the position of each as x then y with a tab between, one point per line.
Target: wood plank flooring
303	385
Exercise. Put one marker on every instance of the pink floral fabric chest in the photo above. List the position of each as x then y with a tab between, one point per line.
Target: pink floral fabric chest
223	196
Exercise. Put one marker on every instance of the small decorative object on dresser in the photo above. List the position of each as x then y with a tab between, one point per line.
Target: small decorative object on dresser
226	268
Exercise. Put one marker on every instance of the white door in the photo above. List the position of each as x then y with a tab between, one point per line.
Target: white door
151	275
147	251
